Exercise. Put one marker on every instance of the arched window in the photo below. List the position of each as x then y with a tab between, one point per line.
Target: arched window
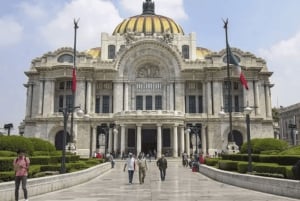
111	51
186	51
65	58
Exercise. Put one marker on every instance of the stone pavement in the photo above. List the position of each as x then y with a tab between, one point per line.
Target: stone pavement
181	184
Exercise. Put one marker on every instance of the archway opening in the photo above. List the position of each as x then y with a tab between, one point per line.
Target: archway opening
59	139
238	138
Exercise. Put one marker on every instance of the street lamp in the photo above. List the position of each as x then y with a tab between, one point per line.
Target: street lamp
196	130
8	127
66	111
248	111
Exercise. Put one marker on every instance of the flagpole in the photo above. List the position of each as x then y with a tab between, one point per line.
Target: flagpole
73	91
231	138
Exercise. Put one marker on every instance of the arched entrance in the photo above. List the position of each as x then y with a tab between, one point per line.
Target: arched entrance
149	140
238	138
59	139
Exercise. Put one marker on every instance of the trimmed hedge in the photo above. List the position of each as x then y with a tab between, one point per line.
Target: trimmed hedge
228	165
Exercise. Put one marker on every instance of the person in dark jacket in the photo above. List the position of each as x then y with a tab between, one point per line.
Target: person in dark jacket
162	164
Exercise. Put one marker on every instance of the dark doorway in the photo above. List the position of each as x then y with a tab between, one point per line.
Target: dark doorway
149	140
59	140
238	138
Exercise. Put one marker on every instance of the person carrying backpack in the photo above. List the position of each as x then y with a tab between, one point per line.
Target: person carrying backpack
21	167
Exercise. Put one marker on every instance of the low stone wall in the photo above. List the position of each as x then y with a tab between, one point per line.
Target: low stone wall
37	186
282	187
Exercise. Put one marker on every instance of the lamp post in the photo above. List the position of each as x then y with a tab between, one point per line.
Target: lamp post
194	129
248	111
66	111
8	127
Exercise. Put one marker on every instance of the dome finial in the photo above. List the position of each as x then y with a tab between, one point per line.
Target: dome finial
148	8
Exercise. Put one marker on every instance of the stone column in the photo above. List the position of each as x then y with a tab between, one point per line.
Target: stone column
268	100
88	97
187	142
171	94
110	140
179	97
159	145
256	94
139	139
122	139
48	97
175	141
118	97
182	139
115	141
41	97
203	144
208	98
126	95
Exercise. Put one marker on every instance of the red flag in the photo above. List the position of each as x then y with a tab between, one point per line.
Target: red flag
74	80
238	70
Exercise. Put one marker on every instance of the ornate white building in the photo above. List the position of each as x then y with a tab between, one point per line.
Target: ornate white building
141	89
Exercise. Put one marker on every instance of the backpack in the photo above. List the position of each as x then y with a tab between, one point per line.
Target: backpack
26	161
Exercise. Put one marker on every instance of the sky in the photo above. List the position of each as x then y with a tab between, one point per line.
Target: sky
269	29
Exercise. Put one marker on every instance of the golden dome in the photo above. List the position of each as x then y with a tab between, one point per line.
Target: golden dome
148	23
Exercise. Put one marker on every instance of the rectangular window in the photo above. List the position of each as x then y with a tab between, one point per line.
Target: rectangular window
200	104
69	85
60	103
105	104
236	104
235	85
226	103
158	102
111	51
166	137
69	101
131	137
192	104
148	102
97	104
139	103
61	85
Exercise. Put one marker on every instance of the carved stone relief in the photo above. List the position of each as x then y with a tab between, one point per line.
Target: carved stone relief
148	71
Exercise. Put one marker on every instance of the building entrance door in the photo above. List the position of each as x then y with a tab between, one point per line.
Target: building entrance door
149	141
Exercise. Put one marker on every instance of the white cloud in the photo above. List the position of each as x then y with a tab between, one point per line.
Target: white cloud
95	16
283	59
11	32
173	9
33	11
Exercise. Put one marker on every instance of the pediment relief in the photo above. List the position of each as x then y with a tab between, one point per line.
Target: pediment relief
148	71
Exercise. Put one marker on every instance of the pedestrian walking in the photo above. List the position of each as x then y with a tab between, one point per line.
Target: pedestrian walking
21	167
142	163
112	161
162	165
130	164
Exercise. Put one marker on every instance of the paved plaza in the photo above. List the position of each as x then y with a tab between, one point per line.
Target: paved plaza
181	184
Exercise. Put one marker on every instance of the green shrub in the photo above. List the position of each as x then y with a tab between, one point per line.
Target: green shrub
291	151
8	154
13	143
228	165
55	167
211	161
42	145
242	167
280	159
265	144
6	163
7	176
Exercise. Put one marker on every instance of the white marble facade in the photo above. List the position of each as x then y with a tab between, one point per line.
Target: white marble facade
146	88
